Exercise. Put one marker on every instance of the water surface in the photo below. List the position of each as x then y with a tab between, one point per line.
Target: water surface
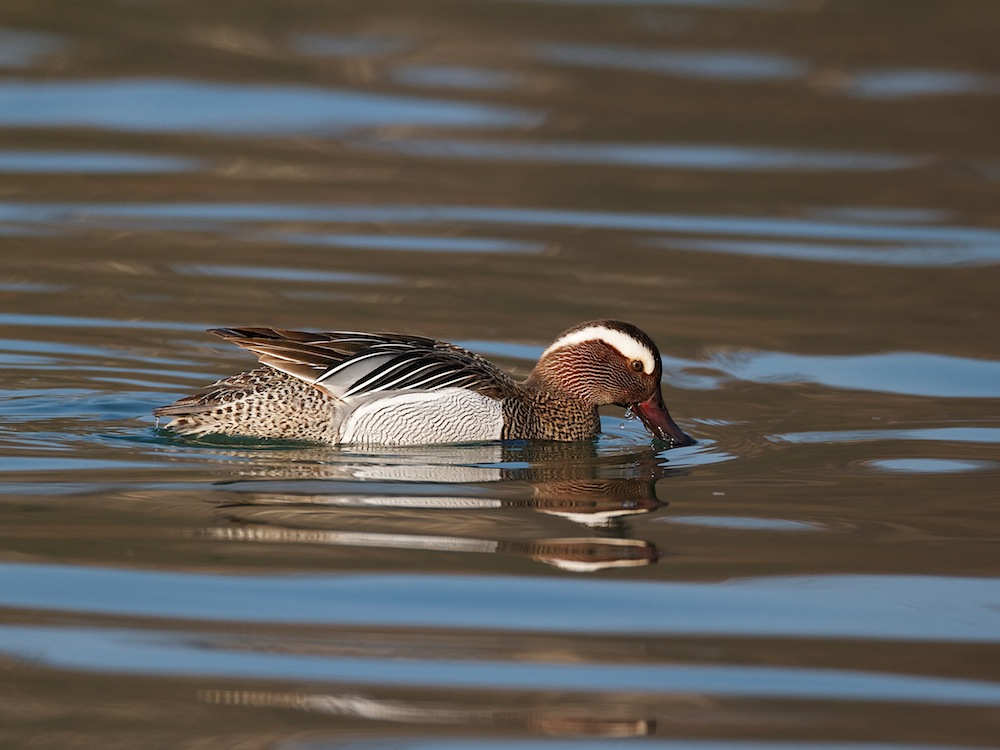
797	200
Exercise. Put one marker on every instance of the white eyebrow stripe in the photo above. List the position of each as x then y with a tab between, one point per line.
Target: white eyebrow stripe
625	344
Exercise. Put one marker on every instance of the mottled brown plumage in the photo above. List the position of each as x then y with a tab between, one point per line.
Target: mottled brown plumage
261	403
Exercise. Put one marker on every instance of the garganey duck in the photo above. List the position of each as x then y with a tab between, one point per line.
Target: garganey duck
392	389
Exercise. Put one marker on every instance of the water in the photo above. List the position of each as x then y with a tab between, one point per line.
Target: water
797	200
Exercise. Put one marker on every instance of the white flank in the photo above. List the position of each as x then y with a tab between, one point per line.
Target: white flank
628	346
449	415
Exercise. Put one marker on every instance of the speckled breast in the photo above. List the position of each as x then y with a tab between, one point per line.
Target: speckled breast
449	415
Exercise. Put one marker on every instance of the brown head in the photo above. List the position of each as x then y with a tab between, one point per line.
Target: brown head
606	362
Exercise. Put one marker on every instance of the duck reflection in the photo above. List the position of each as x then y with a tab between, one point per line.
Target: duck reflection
575	719
465	499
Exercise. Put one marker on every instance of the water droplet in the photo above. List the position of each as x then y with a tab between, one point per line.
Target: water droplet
629	414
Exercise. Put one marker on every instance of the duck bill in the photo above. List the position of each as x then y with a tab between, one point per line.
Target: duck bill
653	413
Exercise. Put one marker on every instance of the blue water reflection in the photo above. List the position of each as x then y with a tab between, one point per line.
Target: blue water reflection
952	609
417	243
176	106
744	523
905	83
652	156
915	254
931	465
912	373
47	465
881	214
929	434
80	321
906	241
153	652
93	162
28	287
455	77
727	65
305	275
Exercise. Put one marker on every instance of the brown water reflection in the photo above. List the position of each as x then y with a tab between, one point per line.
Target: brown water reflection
796	198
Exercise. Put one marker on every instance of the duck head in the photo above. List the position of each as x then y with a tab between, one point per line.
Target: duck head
605	362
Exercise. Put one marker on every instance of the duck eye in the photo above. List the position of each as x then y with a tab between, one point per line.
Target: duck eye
636	365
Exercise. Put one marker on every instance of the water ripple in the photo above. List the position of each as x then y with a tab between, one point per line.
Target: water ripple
455	77
951	609
413	243
925	255
653	156
930	434
170	653
906	241
931	465
911	373
744	523
79	321
906	83
725	65
175	106
305	275
93	162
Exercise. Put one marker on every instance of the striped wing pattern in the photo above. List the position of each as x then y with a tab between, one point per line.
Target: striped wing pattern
347	363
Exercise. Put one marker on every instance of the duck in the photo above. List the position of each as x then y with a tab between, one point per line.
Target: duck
347	387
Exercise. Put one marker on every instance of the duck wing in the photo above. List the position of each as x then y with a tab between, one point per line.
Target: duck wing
348	363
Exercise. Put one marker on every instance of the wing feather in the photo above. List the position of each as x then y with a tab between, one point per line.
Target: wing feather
347	363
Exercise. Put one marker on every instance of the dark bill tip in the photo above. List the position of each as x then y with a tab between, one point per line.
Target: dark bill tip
658	421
